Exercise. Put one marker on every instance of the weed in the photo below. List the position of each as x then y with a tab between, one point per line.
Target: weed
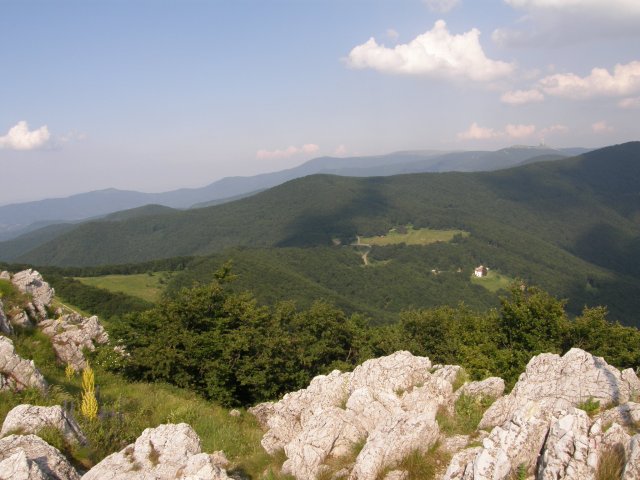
424	465
590	406
461	378
611	464
468	412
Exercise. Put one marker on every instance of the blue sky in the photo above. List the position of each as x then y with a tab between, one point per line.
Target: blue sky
156	95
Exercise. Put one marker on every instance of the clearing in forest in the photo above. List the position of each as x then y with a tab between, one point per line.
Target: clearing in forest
493	282
411	236
146	286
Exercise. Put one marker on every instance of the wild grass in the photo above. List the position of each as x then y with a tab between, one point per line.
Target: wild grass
423	465
611	464
127	408
147	286
409	236
335	464
467	414
493	282
590	406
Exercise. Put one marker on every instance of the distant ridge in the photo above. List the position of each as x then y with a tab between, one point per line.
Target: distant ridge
20	218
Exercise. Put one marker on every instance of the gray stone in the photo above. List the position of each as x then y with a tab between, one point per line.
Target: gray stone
169	451
31	282
19	467
27	419
49	460
16	373
5	325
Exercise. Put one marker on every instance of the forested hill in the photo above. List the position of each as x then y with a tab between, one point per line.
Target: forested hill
568	203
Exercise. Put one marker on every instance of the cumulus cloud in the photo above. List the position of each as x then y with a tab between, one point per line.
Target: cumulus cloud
559	21
519	131
624	80
341	151
631	102
436	53
601	127
511	131
476	132
306	149
554	129
441	6
520	97
19	137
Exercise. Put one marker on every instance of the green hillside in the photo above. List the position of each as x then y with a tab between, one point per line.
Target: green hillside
571	226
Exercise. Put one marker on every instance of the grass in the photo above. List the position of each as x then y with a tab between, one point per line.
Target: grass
493	282
11	296
468	412
590	406
611	464
127	408
147	286
334	464
423	465
408	235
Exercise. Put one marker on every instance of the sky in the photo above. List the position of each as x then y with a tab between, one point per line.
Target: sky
157	95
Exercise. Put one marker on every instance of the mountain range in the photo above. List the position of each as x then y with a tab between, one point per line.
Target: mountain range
21	218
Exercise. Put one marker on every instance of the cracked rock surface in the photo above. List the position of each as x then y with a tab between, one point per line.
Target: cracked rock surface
31	419
16	373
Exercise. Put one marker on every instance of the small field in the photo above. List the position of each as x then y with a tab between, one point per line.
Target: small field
493	282
145	286
410	236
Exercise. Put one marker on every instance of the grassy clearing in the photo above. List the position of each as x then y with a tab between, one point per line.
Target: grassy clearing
493	282
468	412
147	286
410	236
127	408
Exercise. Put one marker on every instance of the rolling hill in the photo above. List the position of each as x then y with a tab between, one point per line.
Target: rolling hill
21	218
571	226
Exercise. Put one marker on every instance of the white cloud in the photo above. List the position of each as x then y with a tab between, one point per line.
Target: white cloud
392	34
554	129
341	151
520	97
476	132
519	131
436	53
601	127
559	21
625	80
306	149
19	137
441	6
631	102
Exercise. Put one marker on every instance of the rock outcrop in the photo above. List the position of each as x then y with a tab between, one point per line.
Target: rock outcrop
5	325
19	467
52	465
16	373
563	382
389	403
30	419
166	452
71	334
31	282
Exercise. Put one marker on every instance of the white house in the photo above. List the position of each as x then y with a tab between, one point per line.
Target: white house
480	271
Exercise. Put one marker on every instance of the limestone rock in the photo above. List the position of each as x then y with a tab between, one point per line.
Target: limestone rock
490	387
632	468
31	282
393	441
169	451
16	373
5	325
398	371
566	451
627	414
18	467
72	333
48	459
31	419
4	275
459	463
561	382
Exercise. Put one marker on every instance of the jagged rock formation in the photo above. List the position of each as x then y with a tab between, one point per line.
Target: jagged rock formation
390	402
30	419
166	452
31	282
390	405
16	373
5	325
42	460
72	333
4	275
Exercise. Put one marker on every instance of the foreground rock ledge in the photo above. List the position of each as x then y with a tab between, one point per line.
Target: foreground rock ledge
389	404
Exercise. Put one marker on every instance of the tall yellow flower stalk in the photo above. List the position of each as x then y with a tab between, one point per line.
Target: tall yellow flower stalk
89	406
69	372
